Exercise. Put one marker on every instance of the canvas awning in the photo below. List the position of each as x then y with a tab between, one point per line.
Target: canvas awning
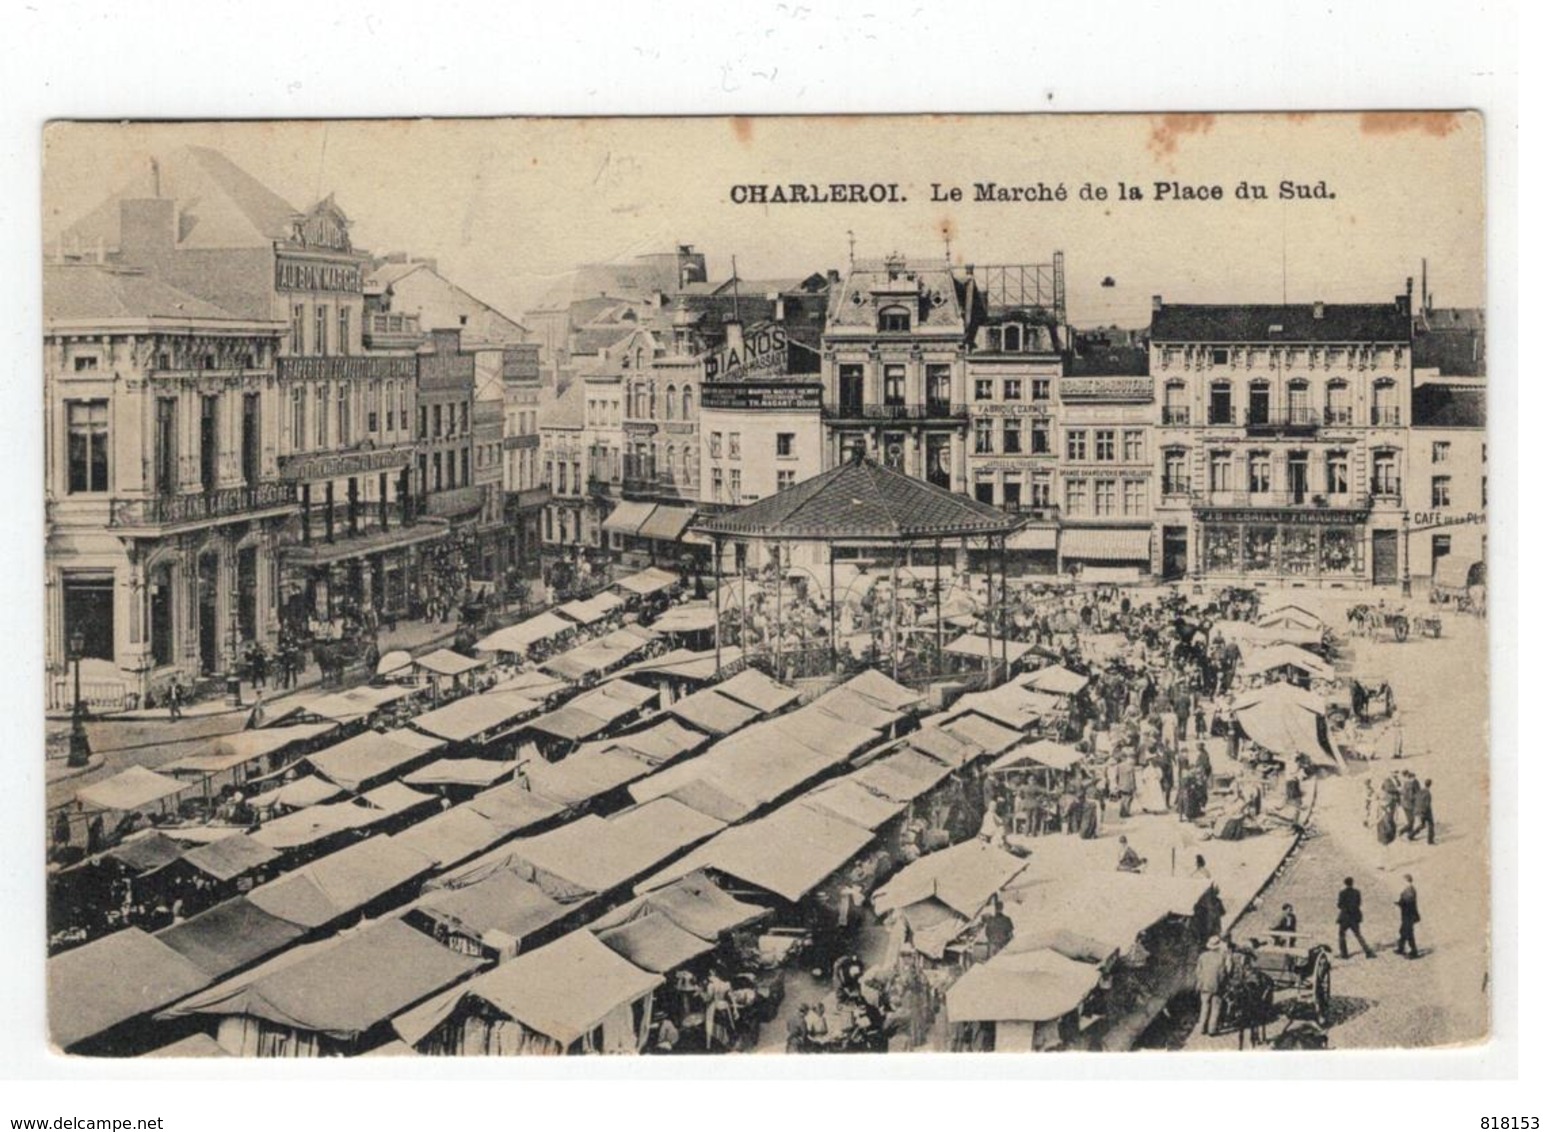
696	617
129	790
962	877
626	517
883	691
1031	986
481	773
144	852
534	685
853	802
666	523
475	715
368	758
685	664
569	722
562	991
309	790
653	942
1286	656
452	837
311	825
902	777
693	903
597	855
711	712
737	776
1056	680
985	734
230	857
1110	907
983	648
1294	616
1044	752
500	907
821	731
233	934
649	581
1033	538
586	774
342	986
88	993
519	638
757	690
789	852
847	706
513	807
239	747
395	661
340	883
586	612
343	707
663	741
1106	544
943	747
444	662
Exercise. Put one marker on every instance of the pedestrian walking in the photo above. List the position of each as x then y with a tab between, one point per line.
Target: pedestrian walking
1410	802
1424	817
1210	976
1408	916
1350	916
175	699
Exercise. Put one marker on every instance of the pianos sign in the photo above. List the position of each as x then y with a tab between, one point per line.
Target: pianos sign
764	350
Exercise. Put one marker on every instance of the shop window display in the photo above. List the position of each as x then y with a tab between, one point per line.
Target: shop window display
1258	548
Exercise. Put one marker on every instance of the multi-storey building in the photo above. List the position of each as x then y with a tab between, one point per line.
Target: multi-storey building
1013	370
165	500
894	368
1106	409
445	431
522	475
563	455
1282	439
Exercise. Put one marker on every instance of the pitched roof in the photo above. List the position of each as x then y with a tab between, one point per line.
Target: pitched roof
220	204
862	499
77	291
927	289
1450	406
229	936
121	976
1296	322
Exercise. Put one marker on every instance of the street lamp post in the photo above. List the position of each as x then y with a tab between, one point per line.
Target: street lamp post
80	745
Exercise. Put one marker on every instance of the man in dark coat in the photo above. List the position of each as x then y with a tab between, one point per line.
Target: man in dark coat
1409	795
1350	917
1408	916
1424	815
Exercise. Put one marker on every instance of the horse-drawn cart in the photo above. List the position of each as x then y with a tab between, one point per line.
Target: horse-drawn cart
1303	975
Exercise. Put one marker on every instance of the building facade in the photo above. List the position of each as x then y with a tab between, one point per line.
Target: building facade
1448	481
1283	440
166	507
522	475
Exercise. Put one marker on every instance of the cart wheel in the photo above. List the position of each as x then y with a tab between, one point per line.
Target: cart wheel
1322	988
1400	628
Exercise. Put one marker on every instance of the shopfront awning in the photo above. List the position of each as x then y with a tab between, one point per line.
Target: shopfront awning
667	523
648	581
627	517
321	553
1106	544
1033	538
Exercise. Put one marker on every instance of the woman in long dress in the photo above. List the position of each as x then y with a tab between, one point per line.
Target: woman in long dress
1152	798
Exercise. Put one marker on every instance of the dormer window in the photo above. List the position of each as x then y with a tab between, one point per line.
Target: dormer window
1012	338
893	320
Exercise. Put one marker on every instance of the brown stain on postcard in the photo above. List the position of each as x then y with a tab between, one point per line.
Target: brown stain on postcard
1168	128
742	127
1435	123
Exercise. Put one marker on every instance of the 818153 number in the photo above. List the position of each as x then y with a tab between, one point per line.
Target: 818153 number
1508	1123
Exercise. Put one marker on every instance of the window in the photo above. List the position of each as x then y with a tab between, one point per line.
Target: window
714	445
1106	444
1338	409
717	484
1013	389
1133	446
1174	472
320	329
1076	492
983	490
1075	444
423	433
1338	473
983	437
1106	496
1133	497
734	446
467	478
1300	402
784	444
343	330
1174	407
298	418
564	475
784	478
1012	338
1440	451
1220	357
1384	477
1011	437
736	485
344	415
166	445
938	388
1041	444
851	389
1440	546
462	412
1012	491
1220	408
892	385
321	423
1384	405
1220	471
687	403
892	320
983	389
1440	491
209	441
297	330
1258	481
86	363
88	425
1042	388
435	421
1040	493
671	402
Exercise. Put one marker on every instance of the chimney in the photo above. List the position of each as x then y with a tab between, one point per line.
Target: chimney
734	334
779	308
147	229
1318	309
1155	302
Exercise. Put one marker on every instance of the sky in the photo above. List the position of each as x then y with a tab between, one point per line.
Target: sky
509	206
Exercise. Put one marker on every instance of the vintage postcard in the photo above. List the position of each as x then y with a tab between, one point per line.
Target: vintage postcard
791	585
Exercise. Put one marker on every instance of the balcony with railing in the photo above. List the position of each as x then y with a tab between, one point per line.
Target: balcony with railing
387	330
1387	489
1176	487
1221	415
930	410
202	507
1297	420
1306	499
1036	512
1175	414
1386	416
1338	415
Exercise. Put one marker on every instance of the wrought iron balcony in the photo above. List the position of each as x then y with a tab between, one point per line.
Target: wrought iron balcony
1386	416
1221	415
1338	415
1175	414
1176	487
1295	421
200	507
930	410
1038	512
